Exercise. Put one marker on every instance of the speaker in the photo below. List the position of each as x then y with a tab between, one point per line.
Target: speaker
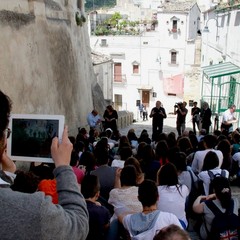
138	103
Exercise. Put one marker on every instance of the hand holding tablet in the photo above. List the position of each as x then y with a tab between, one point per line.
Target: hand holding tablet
32	136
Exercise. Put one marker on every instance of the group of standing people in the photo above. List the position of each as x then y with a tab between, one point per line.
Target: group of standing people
201	118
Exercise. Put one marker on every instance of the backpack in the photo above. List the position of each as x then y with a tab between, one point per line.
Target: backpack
193	194
212	176
225	226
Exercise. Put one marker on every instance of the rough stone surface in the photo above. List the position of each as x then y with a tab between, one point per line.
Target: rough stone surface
45	61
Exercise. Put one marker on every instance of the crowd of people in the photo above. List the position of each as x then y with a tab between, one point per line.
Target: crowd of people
105	185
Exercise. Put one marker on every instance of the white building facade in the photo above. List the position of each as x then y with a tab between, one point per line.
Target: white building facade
221	58
156	65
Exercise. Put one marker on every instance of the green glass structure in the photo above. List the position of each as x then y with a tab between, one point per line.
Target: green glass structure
221	88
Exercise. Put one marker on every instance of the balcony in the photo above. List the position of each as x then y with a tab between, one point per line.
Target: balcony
120	79
174	30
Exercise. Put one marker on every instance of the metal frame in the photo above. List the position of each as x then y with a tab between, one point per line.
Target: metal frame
221	87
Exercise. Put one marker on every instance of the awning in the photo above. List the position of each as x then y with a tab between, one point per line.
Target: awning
145	88
220	70
174	84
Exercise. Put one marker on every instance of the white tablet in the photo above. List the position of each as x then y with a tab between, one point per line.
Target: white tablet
32	136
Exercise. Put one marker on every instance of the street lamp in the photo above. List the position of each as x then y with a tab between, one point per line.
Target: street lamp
206	29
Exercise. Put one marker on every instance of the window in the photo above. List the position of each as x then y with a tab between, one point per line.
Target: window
118	72
174	26
103	43
135	69
118	102
173	57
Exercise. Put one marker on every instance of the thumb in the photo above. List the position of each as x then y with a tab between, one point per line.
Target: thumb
54	145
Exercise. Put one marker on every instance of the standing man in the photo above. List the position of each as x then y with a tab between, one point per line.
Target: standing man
141	106
157	114
228	120
181	111
206	115
195	111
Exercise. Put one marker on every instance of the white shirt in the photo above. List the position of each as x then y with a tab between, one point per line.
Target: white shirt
227	116
204	176
236	157
92	120
199	156
124	200
170	200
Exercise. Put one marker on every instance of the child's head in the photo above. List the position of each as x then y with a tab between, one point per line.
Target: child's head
90	186
172	232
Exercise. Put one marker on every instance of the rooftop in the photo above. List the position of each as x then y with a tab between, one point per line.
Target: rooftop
99	58
178	6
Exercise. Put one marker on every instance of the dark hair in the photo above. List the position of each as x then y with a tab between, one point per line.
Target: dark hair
185	145
131	136
210	141
90	186
5	109
74	159
167	175
172	232
223	191
171	140
102	156
88	159
162	151
128	176
148	154
79	146
210	161
194	141
125	152
225	147
160	137
140	148
148	193
26	182
180	161
133	161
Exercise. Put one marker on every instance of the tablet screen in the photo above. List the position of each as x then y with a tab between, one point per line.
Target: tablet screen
32	136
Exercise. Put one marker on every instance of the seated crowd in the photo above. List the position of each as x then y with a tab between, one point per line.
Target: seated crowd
138	189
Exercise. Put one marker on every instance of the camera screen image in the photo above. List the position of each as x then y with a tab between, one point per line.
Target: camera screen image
33	137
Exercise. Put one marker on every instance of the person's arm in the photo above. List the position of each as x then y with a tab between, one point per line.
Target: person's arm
90	120
152	113
175	110
70	216
164	113
198	205
117	183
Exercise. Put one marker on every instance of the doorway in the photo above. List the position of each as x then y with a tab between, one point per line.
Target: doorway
145	98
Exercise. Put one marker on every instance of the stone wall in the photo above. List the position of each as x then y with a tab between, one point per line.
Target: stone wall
45	60
125	119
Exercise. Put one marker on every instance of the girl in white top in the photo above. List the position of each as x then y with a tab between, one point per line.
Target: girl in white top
211	163
124	198
172	196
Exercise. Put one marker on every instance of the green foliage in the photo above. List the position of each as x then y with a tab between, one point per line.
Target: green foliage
95	4
78	19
